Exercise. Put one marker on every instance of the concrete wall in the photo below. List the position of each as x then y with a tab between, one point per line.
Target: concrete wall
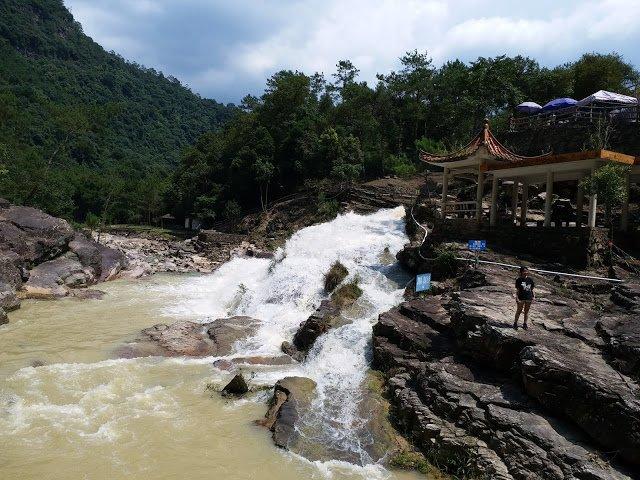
578	247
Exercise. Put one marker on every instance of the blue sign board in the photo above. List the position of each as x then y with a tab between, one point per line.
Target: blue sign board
423	282
477	245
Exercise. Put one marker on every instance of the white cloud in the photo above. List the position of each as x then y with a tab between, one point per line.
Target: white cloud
254	39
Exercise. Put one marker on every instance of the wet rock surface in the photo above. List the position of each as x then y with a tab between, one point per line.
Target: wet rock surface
558	400
292	396
236	387
191	339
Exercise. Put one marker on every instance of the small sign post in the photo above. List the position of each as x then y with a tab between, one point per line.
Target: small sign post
477	246
423	282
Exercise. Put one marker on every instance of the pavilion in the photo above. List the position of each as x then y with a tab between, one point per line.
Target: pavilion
485	157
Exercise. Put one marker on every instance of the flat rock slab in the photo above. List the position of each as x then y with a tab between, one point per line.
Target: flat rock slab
192	339
539	403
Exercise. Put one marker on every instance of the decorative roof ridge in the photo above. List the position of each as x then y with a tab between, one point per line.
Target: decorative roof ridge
484	138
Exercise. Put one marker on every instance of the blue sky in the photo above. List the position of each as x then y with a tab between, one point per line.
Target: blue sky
224	49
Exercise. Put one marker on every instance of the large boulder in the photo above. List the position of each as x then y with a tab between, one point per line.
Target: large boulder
318	323
8	298
192	339
54	278
292	397
32	234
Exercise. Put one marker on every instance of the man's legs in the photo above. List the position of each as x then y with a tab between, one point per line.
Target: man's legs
527	306
518	310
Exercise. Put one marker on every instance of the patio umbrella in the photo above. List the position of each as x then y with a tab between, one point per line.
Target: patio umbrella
558	103
529	107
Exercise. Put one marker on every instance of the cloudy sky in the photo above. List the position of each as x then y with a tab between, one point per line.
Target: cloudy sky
224	49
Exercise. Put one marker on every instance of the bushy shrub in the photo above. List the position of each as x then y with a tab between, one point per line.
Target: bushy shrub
334	277
327	208
445	264
347	294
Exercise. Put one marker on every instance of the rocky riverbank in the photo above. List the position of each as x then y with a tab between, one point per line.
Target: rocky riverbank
44	257
480	398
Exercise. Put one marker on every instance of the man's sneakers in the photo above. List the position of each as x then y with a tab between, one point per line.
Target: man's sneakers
525	326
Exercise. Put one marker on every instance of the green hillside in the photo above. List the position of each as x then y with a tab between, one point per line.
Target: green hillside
81	128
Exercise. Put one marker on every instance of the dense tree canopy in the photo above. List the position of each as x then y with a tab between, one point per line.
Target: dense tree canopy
80	126
309	127
83	133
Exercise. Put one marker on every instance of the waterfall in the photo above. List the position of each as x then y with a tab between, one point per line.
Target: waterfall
284	291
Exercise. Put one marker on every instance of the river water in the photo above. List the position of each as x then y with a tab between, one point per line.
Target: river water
69	409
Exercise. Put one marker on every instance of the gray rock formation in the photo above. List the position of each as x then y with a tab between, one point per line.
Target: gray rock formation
291	397
191	339
551	402
43	257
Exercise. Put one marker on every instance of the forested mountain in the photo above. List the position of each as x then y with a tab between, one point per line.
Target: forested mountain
83	130
309	127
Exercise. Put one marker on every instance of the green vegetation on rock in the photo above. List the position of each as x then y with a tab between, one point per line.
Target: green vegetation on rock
347	294
334	277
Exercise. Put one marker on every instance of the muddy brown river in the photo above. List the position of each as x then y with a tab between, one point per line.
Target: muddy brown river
70	410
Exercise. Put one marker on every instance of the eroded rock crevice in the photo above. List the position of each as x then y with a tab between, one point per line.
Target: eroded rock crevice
558	400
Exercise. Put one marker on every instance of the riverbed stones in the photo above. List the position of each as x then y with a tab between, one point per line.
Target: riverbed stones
236	387
548	402
193	339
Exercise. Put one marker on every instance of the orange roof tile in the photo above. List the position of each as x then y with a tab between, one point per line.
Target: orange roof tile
484	138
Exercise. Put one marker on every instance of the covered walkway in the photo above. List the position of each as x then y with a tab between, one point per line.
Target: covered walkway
486	158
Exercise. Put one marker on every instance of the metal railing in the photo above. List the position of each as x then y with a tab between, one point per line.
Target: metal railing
608	112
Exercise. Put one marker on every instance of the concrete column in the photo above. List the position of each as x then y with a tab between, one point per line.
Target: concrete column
548	199
624	214
493	216
445	190
593	206
524	207
579	203
479	195
514	200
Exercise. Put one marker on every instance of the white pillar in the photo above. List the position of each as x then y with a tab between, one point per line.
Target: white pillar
445	191
547	200
524	207
479	195
624	214
493	216
514	200
593	206
579	203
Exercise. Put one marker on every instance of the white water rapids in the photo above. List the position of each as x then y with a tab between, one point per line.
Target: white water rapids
119	417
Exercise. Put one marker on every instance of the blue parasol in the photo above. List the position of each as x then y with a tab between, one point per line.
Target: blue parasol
558	103
528	107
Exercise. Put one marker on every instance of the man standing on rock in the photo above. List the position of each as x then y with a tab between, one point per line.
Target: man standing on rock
524	296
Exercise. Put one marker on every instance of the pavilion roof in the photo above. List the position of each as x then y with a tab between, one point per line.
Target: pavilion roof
483	139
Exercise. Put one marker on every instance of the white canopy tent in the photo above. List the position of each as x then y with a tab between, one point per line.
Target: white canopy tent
602	96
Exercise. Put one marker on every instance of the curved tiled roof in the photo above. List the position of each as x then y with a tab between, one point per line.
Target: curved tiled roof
484	138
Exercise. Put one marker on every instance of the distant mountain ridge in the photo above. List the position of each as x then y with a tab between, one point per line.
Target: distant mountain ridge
69	110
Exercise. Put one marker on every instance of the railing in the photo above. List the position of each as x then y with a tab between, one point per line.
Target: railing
609	112
453	208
